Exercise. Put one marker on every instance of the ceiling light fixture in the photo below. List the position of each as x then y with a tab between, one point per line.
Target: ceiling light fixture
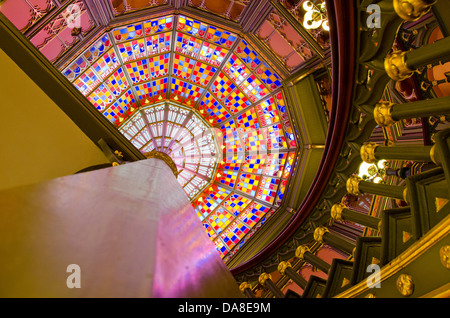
315	15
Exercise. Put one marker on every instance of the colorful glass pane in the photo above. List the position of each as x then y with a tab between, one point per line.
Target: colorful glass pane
221	248
253	214
117	82
213	109
236	70
159	25
289	165
228	126
232	143
101	97
132	50
192	93
159	43
202	73
275	137
281	191
158	66
87	81
248	183
188	45
97	49
212	54
234	233
75	69
227	177
248	120
209	230
138	71
284	116
254	164
219	219
222	86
235	204
236	101
267	112
250	57
106	64
178	89
253	141
268	77
268	189
275	165
192	27
220	37
183	66
144	92
119	108
254	89
210	199
128	32
159	87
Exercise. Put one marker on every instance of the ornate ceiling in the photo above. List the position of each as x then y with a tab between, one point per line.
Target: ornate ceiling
208	95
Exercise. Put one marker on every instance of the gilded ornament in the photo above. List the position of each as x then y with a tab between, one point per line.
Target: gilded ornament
405	284
75	31
405	194
263	277
118	154
336	212
353	185
164	157
396	67
282	267
412	10
433	155
301	250
319	233
444	254
244	286
368	152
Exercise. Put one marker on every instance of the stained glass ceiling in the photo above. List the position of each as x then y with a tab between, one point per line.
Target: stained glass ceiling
207	98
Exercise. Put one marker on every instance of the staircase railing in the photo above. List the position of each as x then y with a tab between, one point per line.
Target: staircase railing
408	234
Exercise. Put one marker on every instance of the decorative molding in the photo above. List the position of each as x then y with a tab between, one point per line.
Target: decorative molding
164	157
415	251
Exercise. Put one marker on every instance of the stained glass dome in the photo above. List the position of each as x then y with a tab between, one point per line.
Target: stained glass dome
208	99
199	93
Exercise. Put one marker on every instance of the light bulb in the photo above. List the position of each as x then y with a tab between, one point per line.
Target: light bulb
308	5
377	180
310	20
382	164
364	169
